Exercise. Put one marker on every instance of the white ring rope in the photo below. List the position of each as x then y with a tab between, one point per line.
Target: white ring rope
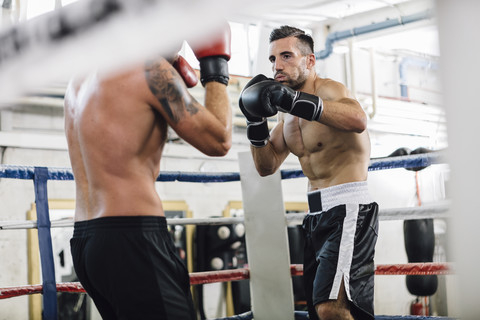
68	222
427	211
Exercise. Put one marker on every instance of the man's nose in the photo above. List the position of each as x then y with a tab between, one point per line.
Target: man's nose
277	65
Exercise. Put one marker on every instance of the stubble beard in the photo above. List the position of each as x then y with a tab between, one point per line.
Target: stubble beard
297	83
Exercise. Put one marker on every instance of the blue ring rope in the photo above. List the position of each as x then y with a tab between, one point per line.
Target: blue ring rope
409	161
303	315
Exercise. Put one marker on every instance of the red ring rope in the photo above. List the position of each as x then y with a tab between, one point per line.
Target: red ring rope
219	276
427	268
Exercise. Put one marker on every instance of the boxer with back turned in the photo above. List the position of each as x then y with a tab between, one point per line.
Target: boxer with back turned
116	128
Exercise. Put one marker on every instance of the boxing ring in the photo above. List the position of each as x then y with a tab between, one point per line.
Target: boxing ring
257	272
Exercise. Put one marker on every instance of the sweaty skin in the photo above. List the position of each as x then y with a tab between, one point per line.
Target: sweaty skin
116	128
334	150
331	151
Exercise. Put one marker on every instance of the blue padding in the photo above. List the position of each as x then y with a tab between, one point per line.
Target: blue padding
411	318
291	174
40	179
303	315
27	173
16	172
60	174
409	161
199	177
244	316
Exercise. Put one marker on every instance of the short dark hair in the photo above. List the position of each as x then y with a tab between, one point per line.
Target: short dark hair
288	31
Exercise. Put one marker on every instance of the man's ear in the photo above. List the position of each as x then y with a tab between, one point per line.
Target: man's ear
311	61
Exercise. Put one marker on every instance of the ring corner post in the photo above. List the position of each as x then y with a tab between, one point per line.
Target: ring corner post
267	243
40	179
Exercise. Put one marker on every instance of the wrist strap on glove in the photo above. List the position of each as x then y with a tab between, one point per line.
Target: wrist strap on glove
307	106
258	133
214	68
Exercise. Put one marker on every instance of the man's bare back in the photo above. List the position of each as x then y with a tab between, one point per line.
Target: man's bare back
116	128
125	138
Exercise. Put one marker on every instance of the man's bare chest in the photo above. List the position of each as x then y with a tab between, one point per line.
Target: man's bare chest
305	137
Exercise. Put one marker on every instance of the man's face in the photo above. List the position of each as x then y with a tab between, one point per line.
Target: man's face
289	66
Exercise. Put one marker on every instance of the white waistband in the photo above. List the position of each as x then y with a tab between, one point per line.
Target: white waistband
353	192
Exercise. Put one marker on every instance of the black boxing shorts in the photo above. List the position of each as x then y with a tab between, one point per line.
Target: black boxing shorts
130	268
340	235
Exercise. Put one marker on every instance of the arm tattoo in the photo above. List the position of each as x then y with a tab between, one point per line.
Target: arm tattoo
167	88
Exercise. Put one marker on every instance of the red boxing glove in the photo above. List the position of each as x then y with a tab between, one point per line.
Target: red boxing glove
217	45
186	71
213	57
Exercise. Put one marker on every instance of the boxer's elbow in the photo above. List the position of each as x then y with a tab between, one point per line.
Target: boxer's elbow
221	147
266	161
354	116
360	124
265	173
357	123
264	170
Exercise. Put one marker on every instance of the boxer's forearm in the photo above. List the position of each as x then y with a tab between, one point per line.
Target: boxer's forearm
217	102
268	159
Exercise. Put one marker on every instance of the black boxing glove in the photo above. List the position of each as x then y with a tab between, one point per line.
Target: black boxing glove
257	127
273	96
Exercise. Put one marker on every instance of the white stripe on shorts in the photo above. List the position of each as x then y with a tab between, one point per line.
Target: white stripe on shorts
345	253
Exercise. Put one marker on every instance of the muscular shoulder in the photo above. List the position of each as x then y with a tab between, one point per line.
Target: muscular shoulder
76	88
329	89
163	81
159	70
